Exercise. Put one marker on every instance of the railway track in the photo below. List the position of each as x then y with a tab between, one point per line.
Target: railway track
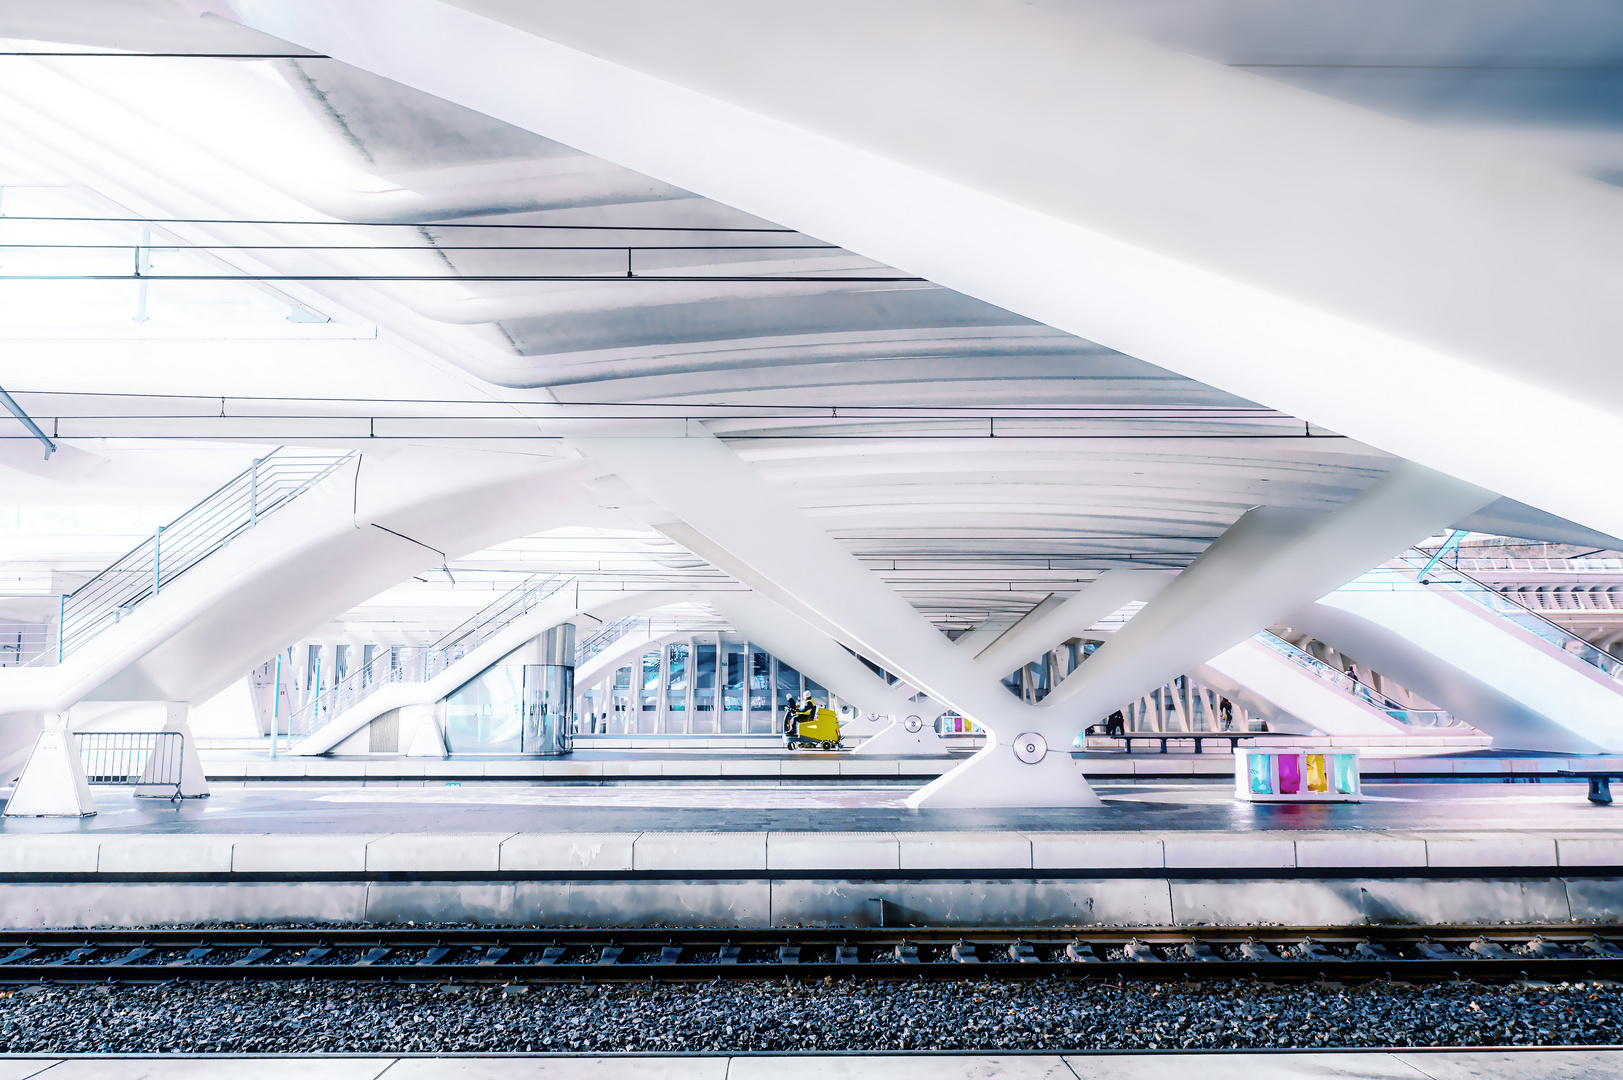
418	955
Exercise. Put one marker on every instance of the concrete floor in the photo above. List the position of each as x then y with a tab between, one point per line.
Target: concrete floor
336	807
1401	1065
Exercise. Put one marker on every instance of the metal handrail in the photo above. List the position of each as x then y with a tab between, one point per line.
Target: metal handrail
1507	607
1480	563
605	637
1347	684
420	663
140	574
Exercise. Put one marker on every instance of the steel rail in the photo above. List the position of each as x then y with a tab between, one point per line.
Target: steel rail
425	954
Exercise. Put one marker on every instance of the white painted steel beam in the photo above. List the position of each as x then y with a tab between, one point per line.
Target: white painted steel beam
1441	304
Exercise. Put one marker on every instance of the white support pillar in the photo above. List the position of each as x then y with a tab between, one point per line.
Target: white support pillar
1108	593
724	511
814	654
193	780
811	652
1263	567
53	782
422	730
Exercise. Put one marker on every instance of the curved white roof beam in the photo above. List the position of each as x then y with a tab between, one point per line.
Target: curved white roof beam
1283	246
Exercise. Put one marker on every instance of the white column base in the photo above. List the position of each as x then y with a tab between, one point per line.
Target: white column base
420	731
193	781
53	782
894	738
995	778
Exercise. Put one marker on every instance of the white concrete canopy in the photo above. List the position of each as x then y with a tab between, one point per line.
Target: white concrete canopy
1445	305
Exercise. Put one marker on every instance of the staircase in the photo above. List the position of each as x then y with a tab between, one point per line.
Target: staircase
1436	574
271	483
419	664
1334	676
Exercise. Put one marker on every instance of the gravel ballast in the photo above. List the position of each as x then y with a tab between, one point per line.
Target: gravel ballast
828	1016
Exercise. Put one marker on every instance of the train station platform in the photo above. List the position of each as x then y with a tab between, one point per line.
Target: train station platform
705	762
731	853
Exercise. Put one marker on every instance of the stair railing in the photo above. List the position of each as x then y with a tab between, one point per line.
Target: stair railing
143	572
1425	718
421	663
1507	607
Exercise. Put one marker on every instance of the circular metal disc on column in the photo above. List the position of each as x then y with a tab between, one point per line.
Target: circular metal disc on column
1030	747
913	723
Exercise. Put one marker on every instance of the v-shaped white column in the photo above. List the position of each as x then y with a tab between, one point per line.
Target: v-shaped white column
1252	576
1267	564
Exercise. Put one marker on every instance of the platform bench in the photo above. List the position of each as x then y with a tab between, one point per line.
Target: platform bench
1600	783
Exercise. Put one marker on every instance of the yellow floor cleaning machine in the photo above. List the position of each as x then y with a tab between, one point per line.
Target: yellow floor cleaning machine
807	726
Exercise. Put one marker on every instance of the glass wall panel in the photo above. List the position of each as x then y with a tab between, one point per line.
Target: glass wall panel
511	709
761	705
549	695
818	694
788	686
732	688
704	686
676	688
649	713
620	722
485	715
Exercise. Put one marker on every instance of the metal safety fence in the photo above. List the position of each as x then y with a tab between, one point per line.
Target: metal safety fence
138	759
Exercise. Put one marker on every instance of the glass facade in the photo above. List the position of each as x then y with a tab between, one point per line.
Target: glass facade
699	684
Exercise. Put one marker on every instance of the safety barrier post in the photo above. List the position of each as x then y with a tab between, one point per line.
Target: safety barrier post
157	578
